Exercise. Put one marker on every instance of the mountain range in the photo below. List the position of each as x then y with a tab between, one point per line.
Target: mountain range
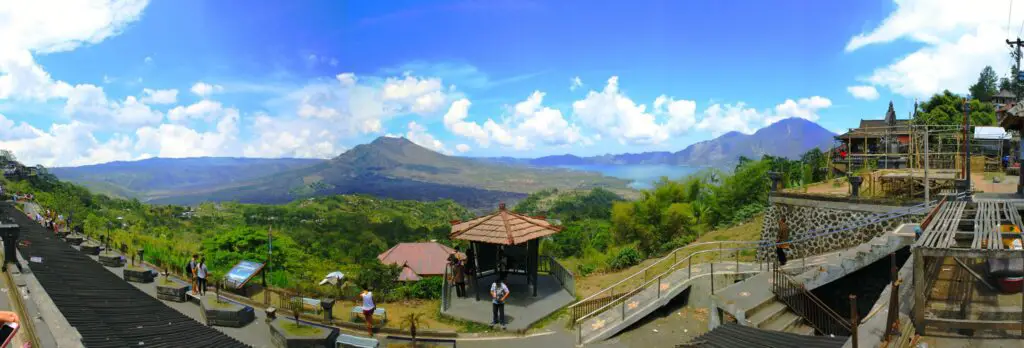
789	137
398	168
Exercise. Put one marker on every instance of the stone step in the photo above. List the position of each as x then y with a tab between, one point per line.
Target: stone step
782	322
767	313
801	328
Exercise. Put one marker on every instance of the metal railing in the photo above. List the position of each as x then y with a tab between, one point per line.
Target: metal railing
563	275
616	294
806	305
446	292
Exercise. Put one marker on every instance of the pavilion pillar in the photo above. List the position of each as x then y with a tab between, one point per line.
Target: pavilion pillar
476	270
534	257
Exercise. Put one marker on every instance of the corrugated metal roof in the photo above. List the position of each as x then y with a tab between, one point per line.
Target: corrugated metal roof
735	335
503	227
428	258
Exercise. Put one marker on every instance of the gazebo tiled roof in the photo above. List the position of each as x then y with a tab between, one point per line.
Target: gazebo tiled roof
503	227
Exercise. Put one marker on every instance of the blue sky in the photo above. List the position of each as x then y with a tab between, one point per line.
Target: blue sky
130	79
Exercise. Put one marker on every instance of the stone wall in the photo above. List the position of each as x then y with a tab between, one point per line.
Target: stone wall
810	216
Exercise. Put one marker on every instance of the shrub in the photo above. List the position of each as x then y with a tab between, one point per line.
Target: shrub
626	257
585	269
426	289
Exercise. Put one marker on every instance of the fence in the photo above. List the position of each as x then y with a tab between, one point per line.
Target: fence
806	305
563	275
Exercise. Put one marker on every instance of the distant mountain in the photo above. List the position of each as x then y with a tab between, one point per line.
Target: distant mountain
789	137
159	177
398	168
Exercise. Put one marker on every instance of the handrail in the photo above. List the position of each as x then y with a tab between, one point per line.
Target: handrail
892	214
808	306
563	275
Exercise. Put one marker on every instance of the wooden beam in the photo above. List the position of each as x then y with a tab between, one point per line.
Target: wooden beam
921	293
971	271
972	253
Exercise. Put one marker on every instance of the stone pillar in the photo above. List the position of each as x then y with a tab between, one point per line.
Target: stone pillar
775	177
855	182
328	306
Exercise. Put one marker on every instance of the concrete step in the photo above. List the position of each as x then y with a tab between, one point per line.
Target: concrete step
766	313
801	328
782	322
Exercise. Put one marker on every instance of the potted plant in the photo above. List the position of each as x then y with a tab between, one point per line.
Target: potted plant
296	305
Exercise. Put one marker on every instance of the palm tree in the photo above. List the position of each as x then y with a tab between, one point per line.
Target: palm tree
411	321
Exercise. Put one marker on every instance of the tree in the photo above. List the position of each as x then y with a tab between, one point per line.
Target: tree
1005	84
947	109
6	156
985	88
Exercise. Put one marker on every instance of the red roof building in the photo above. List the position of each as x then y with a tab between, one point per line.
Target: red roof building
417	259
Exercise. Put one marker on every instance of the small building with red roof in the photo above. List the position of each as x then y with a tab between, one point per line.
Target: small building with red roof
418	260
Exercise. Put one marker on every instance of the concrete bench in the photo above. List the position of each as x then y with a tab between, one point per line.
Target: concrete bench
379	315
310	305
346	341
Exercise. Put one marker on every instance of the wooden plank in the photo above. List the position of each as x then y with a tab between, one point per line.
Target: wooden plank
972	253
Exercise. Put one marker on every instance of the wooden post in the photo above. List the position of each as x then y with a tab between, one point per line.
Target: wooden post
927	184
854	320
920	292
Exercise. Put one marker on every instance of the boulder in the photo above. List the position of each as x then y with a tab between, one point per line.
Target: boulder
225	313
285	334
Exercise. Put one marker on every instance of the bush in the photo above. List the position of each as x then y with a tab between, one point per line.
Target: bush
585	269
425	289
626	257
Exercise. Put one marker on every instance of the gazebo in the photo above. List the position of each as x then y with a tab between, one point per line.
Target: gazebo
515	236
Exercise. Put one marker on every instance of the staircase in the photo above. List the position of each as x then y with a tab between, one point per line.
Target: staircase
753	304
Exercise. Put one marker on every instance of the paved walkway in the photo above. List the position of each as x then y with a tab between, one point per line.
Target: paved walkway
106	310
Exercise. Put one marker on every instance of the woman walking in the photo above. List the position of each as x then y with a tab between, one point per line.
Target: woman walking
368	308
201	274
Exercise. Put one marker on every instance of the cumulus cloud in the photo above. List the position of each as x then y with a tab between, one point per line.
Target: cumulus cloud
418	134
863	92
291	138
89	102
530	124
160	96
205	110
611	113
68	144
176	141
959	39
204	90
462	148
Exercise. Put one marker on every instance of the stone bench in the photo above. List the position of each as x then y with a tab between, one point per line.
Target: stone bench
91	248
285	334
380	316
349	341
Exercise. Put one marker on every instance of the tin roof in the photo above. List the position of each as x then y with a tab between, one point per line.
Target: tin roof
423	259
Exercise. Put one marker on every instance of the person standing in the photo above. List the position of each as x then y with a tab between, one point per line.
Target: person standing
201	275
368	308
499	293
190	270
459	275
781	243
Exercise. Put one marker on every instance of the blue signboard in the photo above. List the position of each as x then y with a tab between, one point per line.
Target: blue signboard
242	273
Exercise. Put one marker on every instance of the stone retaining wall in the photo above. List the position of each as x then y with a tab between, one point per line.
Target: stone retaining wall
810	216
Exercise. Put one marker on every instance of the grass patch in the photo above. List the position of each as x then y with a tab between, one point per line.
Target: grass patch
463	325
550	318
299	330
221	304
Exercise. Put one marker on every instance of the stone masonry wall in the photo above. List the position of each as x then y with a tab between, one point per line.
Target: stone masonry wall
809	216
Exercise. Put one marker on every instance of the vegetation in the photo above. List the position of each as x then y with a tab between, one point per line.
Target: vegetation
985	88
947	109
410	322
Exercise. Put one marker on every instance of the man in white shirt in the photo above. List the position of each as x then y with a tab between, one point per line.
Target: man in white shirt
499	293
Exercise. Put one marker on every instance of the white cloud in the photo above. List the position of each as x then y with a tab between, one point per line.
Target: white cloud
960	38
612	113
68	144
148	60
530	124
863	92
291	138
420	95
160	96
418	134
204	90
719	118
89	102
575	83
205	110
176	141
11	131
461	148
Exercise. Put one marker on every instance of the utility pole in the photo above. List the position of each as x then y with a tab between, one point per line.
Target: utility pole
1016	54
